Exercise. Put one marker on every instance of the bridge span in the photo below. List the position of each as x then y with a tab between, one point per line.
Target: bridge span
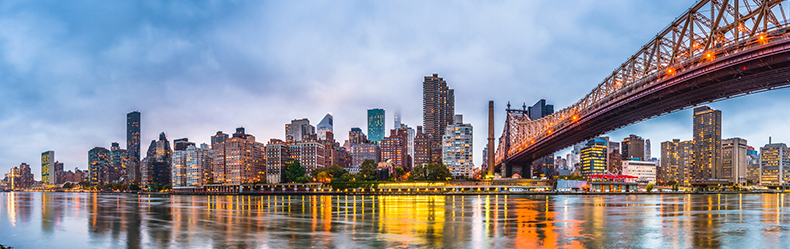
717	50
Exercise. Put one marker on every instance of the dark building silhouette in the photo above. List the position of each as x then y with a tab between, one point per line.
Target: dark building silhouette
133	146
540	109
157	164
99	166
633	147
119	161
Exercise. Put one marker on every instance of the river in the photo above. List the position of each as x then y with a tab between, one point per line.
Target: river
91	220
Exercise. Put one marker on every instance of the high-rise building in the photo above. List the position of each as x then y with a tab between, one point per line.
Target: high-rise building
593	157
707	145
48	174
311	154
648	156
544	166
298	130
156	166
753	169
178	170
99	165
25	174
362	152
198	164
59	170
775	165
540	109
356	136
457	148
133	146
325	126
278	155
633	147
394	148
670	167
119	161
218	139
376	125
685	152
239	160
397	119
438	110
181	144
735	161
422	147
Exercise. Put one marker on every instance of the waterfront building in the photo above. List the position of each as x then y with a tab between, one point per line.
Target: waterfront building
12	179
156	166
457	148
325	126
615	164
362	152
438	103
685	152
133	173
19	178
298	130
645	171
593	157
59	170
240	160
376	125
119	161
311	154
735	161
178	170
199	165
278	155
409	142
707	145
76	176
753	167
671	170
394	148
422	147
99	165
632	147
775	165
48	174
356	136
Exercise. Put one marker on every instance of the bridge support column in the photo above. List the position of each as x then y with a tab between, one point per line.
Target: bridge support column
526	173
506	170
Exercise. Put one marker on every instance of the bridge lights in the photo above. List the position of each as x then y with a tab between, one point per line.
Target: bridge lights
575	117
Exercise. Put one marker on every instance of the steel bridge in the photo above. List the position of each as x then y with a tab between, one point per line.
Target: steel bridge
716	50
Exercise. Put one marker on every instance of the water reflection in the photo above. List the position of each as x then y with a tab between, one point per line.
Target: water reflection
39	220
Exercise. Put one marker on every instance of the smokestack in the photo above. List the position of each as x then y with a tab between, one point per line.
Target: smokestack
491	149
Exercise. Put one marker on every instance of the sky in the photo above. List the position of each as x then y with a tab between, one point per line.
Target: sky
71	70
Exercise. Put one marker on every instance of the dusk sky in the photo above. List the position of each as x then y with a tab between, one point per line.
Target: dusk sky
71	70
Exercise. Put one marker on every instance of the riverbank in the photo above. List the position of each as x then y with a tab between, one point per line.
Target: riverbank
433	193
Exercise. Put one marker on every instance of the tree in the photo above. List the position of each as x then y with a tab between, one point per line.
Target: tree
367	171
649	187
431	172
400	172
323	176
293	171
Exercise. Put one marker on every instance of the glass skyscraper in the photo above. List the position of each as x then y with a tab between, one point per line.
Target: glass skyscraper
375	125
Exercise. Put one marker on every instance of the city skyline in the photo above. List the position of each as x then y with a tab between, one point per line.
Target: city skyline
187	77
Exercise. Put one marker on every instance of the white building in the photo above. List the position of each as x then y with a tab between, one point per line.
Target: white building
457	148
645	171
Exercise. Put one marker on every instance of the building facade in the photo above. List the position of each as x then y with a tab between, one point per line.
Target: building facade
394	148
633	147
707	145
362	152
775	166
593	157
645	171
753	168
119	161
376	118
457	148
48	174
99	165
438	103
735	161
133	173
239	160
298	130
326	125
156	166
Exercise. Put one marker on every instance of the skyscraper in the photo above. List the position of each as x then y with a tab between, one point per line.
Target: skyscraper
199	165
593	157
775	165
422	147
457	148
133	146
98	165
239	160
298	130
48	174
119	161
356	136
438	109
633	147
394	148
325	126
397	118
540	109
753	169
707	144
671	172
156	167
375	125
734	160
218	139
648	155
544	166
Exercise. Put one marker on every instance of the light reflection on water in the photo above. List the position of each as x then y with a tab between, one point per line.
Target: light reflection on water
82	220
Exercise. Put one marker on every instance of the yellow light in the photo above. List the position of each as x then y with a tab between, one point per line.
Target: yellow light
761	37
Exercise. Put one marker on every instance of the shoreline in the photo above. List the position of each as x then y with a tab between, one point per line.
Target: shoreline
548	193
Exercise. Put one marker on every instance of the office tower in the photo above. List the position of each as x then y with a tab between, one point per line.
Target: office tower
685	152
438	108
298	130
133	146
457	148
325	126
119	161
633	147
648	155
734	160
239	160
707	144
156	166
397	119
540	109
178	170
218	139
645	171
356	136
25	174
753	168
99	165
181	144
670	168
278	155
394	148
362	152
375	125
59	174
775	165
593	157
48	167
422	147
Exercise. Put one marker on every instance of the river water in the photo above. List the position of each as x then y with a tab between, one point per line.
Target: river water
89	220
